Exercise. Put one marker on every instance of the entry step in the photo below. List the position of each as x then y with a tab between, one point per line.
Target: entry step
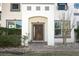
38	42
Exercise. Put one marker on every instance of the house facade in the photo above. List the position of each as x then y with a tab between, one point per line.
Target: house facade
42	22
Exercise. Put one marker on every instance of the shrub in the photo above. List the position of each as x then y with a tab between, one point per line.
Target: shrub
14	31
10	37
10	40
7	31
77	34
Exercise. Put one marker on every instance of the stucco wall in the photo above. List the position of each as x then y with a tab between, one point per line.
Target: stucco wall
39	19
7	14
49	34
52	14
68	13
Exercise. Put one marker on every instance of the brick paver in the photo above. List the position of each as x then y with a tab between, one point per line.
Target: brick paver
57	47
43	47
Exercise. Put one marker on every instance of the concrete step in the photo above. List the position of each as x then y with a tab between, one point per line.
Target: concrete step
38	42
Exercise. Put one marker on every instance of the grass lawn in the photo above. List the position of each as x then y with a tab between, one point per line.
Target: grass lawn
31	53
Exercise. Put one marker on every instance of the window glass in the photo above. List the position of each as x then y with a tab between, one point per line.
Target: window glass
11	24
62	6
58	24
38	8
15	7
78	24
76	5
0	16
14	24
18	24
59	28
47	8
76	14
28	8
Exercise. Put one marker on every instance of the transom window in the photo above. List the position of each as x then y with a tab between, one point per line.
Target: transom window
38	8
59	28
29	8
15	7
62	6
46	8
14	24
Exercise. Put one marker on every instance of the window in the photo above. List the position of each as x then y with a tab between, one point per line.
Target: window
76	14
18	24
0	15
14	24
15	7
38	8
11	24
59	28
62	6
76	5
78	24
29	8
47	8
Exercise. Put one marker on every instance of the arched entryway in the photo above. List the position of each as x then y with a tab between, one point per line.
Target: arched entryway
38	28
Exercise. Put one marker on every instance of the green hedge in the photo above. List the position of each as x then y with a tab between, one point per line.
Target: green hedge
7	31
10	40
10	37
77	34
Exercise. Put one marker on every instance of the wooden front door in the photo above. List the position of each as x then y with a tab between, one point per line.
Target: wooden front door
38	32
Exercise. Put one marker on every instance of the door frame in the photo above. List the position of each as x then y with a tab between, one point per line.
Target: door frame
38	23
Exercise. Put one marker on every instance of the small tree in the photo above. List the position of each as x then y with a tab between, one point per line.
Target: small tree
66	26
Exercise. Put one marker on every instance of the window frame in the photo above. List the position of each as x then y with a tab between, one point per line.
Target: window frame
58	21
29	8
0	16
76	5
77	24
15	10
7	25
62	4
38	8
47	8
61	36
76	14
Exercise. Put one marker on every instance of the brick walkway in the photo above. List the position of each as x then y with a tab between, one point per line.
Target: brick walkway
57	47
43	47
